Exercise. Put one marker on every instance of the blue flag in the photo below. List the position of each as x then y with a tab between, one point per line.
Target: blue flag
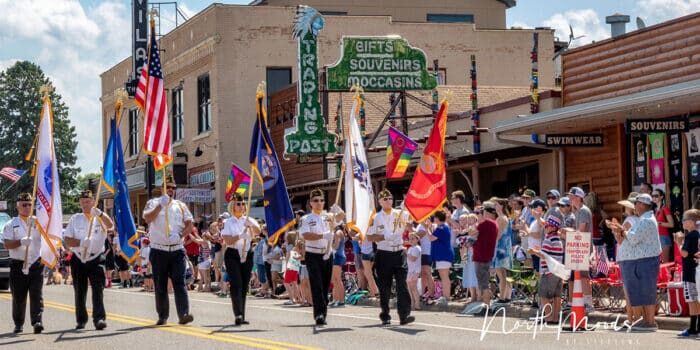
279	216
114	179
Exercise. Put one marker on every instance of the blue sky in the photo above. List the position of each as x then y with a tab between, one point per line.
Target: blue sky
76	40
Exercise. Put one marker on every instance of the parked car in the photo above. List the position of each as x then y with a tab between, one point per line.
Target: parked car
4	257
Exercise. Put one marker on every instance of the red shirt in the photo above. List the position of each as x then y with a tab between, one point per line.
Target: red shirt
485	245
192	248
661	215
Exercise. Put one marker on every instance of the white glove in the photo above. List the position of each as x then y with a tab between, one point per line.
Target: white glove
335	209
94	212
85	242
25	241
164	200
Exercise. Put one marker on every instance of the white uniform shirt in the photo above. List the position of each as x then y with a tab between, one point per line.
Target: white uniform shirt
16	229
178	214
320	224
391	226
235	227
78	227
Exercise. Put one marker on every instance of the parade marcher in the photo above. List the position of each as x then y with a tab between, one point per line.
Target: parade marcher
168	256
88	262
30	279
317	230
238	233
390	261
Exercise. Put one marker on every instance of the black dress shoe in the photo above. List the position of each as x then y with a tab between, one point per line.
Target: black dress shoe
386	322
80	326
100	325
320	321
407	320
244	322
38	328
161	322
186	319
239	320
18	329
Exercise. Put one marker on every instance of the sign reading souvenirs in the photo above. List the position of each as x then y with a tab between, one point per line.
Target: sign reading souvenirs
574	140
380	64
309	136
666	125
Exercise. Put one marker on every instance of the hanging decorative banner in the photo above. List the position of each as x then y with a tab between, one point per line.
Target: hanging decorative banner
667	125
380	64
574	140
656	142
309	136
693	138
535	75
656	167
640	162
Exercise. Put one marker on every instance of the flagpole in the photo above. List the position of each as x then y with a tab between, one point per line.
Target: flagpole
92	220
247	211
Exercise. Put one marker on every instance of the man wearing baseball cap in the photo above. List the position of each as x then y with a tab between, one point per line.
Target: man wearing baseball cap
583	223
553	197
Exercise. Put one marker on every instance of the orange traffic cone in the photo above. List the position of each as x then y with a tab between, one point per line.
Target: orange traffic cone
578	309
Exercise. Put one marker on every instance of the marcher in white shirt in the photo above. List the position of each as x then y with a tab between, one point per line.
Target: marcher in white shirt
88	262
387	230
23	279
239	230
168	252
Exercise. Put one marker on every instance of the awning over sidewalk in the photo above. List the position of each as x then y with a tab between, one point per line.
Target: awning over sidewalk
667	101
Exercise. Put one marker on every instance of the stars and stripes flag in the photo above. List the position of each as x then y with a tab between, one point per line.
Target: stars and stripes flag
151	98
12	174
602	266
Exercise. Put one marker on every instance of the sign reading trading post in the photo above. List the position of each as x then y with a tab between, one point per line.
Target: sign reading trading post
380	64
578	251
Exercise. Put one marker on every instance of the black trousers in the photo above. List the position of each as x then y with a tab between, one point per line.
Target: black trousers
239	278
170	265
94	272
320	280
20	285
391	266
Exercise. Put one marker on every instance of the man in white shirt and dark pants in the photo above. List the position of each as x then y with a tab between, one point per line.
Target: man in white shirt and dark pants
88	262
168	252
390	261
23	279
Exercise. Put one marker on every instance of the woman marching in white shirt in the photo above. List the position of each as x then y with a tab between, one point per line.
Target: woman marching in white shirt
238	233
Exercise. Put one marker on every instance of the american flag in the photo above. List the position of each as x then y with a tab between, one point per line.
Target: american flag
150	96
602	266
12	174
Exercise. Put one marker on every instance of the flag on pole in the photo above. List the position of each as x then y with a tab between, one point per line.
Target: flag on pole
12	174
151	98
359	197
238	182
266	167
602	266
114	180
399	151
428	190
49	212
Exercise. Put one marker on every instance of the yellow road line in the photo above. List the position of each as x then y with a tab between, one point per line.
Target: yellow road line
189	330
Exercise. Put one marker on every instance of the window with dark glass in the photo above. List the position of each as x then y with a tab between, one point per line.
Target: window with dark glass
450	18
277	79
204	103
177	115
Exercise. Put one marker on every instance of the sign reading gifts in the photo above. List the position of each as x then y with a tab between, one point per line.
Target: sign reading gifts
577	251
380	64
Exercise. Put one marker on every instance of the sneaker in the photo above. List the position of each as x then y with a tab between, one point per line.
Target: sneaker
589	308
288	302
643	327
686	333
442	301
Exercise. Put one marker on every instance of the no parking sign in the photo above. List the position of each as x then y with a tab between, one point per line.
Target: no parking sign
578	251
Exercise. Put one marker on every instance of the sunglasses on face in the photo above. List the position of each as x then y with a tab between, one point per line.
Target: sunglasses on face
240	204
551	197
388	199
25	205
318	200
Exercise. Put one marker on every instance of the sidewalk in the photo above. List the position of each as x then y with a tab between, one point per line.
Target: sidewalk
525	312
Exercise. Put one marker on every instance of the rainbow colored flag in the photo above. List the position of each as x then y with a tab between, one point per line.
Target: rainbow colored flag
398	153
238	182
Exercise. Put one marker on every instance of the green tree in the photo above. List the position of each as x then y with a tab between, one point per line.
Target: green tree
20	108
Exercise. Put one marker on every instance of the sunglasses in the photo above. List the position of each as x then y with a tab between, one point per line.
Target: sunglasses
26	205
318	200
478	212
240	204
551	197
388	199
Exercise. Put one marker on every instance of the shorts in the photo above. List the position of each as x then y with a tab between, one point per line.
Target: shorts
122	264
303	273
339	259
443	265
291	276
639	278
276	267
218	259
109	262
204	265
413	276
666	241
690	292
224	277
426	260
261	273
536	263
368	257
550	286
482	275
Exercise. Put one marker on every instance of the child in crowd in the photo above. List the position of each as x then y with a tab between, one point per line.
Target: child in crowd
442	253
291	275
204	263
413	256
224	284
689	252
146	268
550	286
467	223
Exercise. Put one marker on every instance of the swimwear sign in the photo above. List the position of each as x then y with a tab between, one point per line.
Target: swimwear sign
666	125
578	251
574	140
380	64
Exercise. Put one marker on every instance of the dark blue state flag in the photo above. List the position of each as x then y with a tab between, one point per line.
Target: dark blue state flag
279	216
114	179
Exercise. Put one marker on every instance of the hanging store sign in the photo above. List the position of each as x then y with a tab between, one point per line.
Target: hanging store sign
667	125
380	64
139	43
193	195
574	140
202	178
310	135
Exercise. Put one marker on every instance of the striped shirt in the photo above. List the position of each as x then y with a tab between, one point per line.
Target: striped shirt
553	247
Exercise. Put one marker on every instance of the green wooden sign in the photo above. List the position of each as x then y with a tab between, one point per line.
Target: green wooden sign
380	64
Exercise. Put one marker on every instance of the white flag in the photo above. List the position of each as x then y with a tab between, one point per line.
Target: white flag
557	268
359	197
48	191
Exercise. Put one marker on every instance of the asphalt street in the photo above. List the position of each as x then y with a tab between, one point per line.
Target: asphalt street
131	318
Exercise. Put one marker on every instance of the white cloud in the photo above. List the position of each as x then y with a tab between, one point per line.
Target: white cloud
186	10
583	22
655	11
519	24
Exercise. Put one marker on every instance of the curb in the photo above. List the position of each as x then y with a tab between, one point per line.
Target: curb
524	312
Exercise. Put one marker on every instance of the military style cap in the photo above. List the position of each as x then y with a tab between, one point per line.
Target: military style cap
24	197
384	194
237	197
86	194
170	181
316	193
